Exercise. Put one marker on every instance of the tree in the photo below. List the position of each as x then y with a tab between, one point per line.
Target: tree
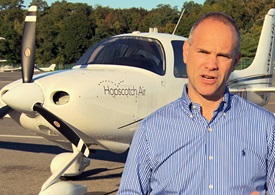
11	29
41	5
75	34
101	26
11	4
160	17
66	30
191	14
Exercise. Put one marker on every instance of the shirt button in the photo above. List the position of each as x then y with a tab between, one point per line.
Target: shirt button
210	157
191	115
211	186
194	106
210	129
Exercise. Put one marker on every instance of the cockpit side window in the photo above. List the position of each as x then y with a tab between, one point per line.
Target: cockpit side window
179	65
140	52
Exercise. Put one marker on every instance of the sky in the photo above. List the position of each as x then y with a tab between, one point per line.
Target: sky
146	4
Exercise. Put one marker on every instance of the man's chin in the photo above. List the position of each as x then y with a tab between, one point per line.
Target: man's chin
214	96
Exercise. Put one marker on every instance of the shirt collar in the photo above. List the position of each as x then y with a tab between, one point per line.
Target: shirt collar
224	106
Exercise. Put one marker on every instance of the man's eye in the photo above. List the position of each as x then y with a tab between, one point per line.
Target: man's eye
203	52
225	56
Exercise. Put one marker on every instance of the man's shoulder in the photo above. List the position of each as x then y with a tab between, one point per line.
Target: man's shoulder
165	110
244	105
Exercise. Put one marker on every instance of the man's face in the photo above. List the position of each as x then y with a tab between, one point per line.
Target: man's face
210	59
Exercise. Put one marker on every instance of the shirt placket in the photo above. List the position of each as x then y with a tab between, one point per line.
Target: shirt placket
211	152
210	158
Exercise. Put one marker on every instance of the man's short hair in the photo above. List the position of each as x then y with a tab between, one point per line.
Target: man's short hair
222	17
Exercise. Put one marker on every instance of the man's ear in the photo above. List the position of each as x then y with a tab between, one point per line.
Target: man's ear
236	61
185	49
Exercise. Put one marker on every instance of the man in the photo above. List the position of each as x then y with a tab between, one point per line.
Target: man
208	141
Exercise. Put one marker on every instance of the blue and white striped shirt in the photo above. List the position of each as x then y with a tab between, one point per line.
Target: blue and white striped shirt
177	151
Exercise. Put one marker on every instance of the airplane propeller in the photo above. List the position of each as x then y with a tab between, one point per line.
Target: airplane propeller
34	102
28	45
4	111
63	128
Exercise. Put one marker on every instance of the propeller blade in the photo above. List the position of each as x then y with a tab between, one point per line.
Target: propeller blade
63	128
28	45
5	110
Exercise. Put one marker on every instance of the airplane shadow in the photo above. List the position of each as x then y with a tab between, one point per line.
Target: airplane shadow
101	193
51	149
88	175
27	147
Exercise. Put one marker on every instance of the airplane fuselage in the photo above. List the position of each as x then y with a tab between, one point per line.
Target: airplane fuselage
113	86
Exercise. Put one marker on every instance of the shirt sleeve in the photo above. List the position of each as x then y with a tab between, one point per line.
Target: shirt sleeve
271	163
137	171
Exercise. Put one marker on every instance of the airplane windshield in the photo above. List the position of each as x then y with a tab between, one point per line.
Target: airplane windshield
140	52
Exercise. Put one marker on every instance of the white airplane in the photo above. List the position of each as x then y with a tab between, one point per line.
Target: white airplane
8	68
45	69
116	84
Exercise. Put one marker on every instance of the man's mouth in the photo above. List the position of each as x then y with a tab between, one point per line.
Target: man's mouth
207	77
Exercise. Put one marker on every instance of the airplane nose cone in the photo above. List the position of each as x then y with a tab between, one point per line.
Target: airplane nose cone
23	97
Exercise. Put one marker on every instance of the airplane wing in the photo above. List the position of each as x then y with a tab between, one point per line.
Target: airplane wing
253	89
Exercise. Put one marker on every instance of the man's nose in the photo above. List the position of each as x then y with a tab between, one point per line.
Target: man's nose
212	63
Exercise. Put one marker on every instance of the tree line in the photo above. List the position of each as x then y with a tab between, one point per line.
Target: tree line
66	30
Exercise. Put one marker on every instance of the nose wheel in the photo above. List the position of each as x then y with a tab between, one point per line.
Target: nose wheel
66	164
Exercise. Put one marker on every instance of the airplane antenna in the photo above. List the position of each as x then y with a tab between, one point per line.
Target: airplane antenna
178	21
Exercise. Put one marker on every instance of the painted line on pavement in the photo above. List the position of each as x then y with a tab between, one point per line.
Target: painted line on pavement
22	136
